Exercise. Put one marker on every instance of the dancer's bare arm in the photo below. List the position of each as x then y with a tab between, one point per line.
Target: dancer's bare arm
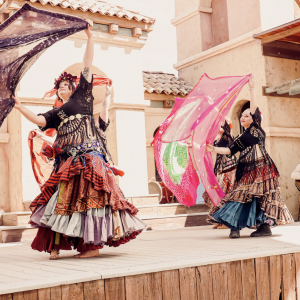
105	105
219	150
88	55
29	115
253	103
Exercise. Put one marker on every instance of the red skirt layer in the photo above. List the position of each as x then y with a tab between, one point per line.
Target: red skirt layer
95	176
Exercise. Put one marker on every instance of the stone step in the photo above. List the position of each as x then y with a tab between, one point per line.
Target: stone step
156	210
22	233
144	200
160	210
11	234
16	218
175	221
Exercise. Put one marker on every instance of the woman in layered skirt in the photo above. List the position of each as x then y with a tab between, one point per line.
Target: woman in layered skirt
80	205
255	201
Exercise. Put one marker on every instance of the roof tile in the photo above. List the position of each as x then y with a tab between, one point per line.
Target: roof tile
165	83
98	6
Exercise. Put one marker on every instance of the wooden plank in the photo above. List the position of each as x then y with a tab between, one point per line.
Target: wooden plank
280	35
275	276
262	278
44	294
170	285
155	286
136	287
72	291
204	283
234	280
31	295
188	283
18	296
288	277
114	288
55	293
282	49
6	297
248	279
144	286
220	281
297	262
93	290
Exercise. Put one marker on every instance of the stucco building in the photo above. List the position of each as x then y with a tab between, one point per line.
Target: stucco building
220	38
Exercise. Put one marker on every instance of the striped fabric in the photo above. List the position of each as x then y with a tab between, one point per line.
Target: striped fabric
92	169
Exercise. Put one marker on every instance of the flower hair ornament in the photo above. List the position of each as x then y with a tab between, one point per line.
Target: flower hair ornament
64	77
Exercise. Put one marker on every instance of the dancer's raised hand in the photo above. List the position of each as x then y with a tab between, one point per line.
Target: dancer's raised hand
88	29
17	102
251	82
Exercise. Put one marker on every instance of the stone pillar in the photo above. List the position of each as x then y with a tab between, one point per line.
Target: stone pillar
14	156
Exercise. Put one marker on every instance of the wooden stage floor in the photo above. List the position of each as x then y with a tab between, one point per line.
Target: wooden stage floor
188	263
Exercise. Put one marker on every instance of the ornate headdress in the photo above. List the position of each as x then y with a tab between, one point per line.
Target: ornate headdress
64	77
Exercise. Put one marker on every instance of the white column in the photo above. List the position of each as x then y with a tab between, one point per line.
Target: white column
132	156
276	12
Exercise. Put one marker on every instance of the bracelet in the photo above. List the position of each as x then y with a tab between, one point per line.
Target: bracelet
250	89
213	149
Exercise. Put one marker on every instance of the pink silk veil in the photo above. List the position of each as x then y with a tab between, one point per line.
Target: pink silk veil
200	114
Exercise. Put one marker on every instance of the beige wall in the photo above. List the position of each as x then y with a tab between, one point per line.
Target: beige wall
243	16
192	29
184	5
219	22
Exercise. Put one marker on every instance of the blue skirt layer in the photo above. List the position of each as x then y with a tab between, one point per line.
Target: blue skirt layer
236	215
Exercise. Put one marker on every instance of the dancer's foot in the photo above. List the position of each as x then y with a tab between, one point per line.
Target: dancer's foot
215	226
54	255
87	254
222	226
234	234
263	230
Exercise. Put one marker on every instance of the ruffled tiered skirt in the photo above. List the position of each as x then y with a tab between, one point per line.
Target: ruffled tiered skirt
236	209
82	207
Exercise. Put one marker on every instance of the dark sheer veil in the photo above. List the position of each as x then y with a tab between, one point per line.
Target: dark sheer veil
23	38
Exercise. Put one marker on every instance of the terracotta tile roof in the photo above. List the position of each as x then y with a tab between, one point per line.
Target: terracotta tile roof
98	6
164	83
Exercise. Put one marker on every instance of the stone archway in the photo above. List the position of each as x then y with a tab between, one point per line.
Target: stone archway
99	91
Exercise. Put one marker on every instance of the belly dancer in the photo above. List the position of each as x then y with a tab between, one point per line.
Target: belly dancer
255	201
80	205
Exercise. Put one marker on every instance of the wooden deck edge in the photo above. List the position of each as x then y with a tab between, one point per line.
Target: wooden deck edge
267	277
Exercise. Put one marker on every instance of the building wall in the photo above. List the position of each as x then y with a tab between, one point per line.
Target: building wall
243	17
